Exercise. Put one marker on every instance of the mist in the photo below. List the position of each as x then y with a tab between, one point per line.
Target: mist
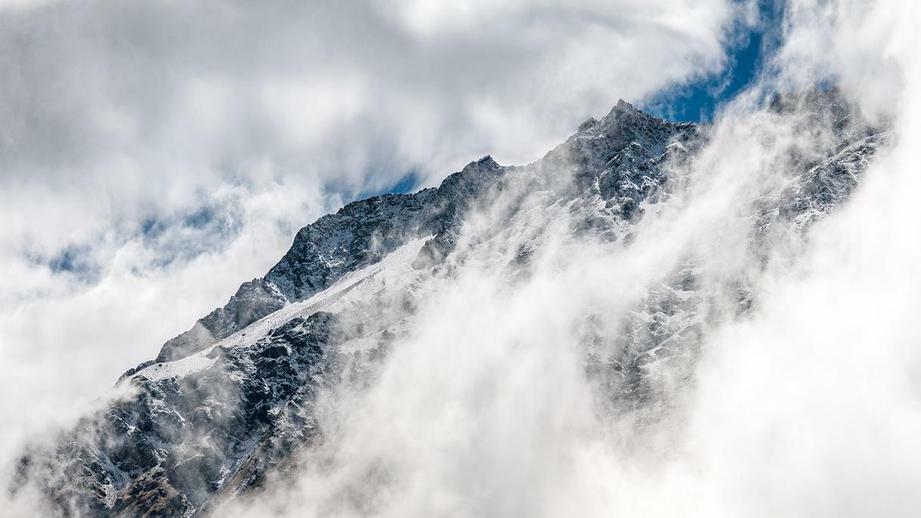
154	155
806	405
785	381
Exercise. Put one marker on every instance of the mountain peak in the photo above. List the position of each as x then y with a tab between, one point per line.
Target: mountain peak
624	105
487	161
625	109
243	390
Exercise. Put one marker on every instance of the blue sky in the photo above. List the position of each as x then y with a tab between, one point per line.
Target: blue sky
700	99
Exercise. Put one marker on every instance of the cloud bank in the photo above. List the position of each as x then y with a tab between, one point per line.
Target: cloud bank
155	154
807	406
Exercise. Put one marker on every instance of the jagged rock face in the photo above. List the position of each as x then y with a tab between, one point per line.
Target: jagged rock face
254	300
179	439
625	136
361	233
233	397
827	183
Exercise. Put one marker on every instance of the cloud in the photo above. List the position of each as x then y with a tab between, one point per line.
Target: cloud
806	406
156	154
809	409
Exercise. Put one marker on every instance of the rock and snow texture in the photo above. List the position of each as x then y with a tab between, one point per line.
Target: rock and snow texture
242	395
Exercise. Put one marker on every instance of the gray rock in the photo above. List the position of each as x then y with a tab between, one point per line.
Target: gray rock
187	441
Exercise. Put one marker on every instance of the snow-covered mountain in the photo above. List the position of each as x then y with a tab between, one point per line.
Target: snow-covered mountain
242	396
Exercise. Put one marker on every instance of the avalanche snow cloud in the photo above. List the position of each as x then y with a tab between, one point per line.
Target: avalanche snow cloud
655	318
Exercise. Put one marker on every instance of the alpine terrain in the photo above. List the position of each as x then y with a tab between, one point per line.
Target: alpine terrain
251	394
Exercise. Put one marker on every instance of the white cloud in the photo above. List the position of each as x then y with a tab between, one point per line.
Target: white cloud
809	406
119	116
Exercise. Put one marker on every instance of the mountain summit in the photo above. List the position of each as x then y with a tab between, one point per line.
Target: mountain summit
239	400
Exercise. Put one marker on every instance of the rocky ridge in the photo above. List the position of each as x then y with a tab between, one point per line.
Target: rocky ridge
231	399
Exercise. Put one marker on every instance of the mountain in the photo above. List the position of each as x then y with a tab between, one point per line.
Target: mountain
238	396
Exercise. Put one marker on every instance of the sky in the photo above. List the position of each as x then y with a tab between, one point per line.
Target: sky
156	154
805	406
700	98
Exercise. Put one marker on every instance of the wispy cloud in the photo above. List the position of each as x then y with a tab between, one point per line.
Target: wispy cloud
156	154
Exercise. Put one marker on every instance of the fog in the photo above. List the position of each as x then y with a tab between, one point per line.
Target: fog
155	155
807	403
